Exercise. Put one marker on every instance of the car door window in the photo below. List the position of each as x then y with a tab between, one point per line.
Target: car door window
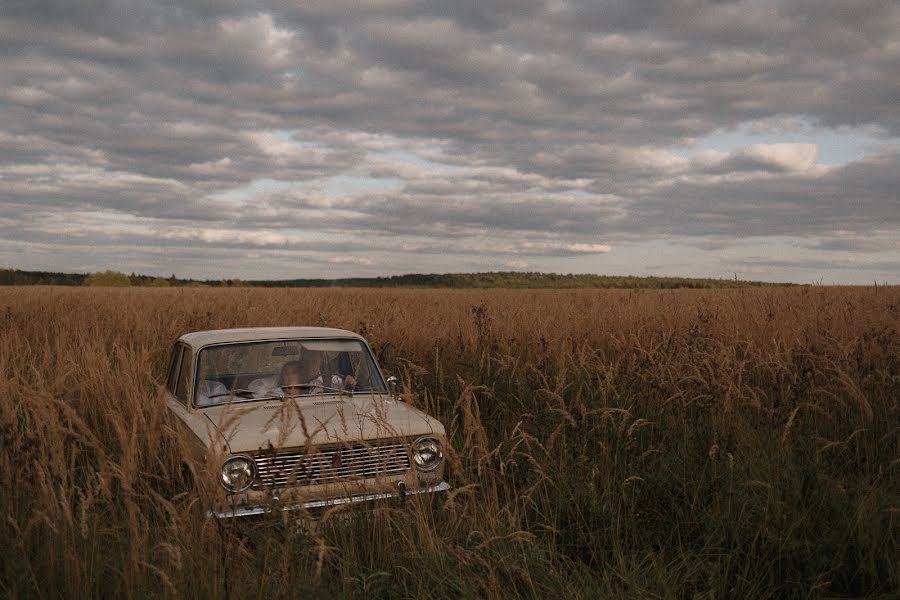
174	363
182	391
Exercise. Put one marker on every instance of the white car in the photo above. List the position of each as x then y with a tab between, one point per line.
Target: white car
287	417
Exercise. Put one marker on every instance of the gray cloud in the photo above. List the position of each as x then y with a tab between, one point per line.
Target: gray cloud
859	197
509	129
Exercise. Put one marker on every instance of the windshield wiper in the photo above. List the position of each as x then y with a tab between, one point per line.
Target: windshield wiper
231	393
342	392
312	390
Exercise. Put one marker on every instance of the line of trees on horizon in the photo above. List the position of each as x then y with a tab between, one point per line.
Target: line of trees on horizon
107	278
500	279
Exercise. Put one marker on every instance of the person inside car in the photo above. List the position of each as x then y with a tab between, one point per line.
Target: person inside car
305	377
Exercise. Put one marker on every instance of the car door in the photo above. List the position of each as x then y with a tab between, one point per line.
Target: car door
178	396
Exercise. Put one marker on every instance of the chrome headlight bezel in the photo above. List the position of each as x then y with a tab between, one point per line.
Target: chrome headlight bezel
249	468
424	447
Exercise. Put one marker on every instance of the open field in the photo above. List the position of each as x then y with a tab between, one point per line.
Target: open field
606	443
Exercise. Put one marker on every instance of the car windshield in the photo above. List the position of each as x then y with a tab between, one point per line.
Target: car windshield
242	372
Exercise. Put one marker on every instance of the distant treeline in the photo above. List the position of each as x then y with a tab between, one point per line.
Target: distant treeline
105	278
514	279
16	277
509	279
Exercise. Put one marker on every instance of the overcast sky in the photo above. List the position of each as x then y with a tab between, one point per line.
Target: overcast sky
333	138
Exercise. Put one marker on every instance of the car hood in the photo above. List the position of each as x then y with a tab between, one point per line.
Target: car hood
297	422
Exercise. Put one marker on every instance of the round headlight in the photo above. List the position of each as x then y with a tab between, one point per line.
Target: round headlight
427	453
238	473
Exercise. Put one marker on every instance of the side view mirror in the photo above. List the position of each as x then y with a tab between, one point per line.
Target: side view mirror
393	384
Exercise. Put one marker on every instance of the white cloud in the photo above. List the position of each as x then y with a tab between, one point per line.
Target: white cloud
351	260
517	264
566	247
588	248
789	157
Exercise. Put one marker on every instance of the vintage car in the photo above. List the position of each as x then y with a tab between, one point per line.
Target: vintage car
290	417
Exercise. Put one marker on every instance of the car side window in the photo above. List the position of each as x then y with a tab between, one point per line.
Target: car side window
174	363
182	391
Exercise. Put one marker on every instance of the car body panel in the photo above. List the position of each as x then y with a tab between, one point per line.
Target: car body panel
198	339
317	420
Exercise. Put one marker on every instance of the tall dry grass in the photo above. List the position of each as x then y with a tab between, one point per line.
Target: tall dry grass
731	443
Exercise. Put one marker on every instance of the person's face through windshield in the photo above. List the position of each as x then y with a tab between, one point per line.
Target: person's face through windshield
290	379
297	374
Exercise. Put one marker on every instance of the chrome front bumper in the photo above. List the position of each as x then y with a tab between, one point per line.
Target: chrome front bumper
247	511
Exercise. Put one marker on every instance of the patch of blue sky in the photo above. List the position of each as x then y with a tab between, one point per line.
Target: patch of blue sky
770	258
291	136
336	187
404	157
256	188
356	185
590	195
836	146
295	73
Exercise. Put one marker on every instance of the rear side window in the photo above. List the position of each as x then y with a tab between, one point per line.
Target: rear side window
184	377
174	363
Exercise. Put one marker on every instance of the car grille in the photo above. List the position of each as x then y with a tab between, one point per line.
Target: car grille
328	465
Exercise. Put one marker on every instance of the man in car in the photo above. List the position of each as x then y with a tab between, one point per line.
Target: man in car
305	377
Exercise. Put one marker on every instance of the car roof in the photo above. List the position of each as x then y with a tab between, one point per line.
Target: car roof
197	339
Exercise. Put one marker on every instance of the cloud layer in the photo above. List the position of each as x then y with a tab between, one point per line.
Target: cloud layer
286	139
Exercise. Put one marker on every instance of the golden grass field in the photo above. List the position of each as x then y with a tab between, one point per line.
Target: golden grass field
736	443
